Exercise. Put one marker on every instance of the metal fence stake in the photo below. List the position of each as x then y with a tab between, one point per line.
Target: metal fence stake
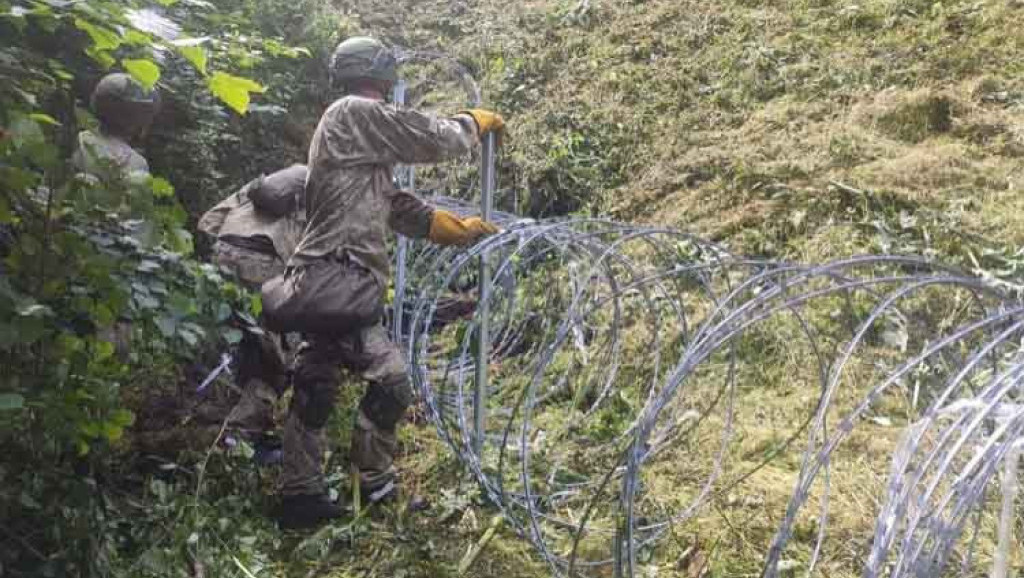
483	310
405	175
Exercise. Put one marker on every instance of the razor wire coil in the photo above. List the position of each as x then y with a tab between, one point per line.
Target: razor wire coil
614	344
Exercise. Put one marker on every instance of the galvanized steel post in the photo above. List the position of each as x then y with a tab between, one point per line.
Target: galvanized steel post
405	175
483	310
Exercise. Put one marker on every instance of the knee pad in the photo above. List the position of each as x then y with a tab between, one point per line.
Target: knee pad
385	403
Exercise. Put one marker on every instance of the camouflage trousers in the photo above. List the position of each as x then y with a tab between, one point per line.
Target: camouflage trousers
316	381
262	378
261	363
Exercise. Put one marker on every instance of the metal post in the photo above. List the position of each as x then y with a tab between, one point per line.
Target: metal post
483	311
405	175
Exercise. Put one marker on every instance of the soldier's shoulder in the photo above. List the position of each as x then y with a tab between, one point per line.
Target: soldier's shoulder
350	107
362	105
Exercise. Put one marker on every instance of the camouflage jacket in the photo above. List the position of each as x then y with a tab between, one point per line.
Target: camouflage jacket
350	201
99	154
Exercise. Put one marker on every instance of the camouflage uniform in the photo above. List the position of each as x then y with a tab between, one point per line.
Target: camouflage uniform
113	168
125	110
98	153
350	204
249	247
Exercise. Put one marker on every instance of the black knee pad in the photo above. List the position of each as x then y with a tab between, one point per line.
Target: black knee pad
385	403
259	358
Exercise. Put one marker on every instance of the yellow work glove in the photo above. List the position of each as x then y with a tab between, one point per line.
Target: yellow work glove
448	229
486	121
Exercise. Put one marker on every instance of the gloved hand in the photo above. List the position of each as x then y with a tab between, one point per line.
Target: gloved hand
486	121
448	229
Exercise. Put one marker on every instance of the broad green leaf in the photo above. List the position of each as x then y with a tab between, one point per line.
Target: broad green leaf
90	429
68	344
167	325
64	75
9	401
44	118
182	241
232	336
233	90
136	38
25	131
104	350
190	338
144	71
161	188
102	315
102	38
194	328
196	55
223	312
112	431
102	57
181	305
123	417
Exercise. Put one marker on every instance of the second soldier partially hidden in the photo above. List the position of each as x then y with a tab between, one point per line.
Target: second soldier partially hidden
256	230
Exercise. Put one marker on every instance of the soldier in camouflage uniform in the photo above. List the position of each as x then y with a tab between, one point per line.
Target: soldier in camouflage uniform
109	165
350	204
256	230
125	110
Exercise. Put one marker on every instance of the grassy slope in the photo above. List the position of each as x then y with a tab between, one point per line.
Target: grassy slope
724	117
729	118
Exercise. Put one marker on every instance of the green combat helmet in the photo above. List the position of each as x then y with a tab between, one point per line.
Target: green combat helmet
124	107
362	57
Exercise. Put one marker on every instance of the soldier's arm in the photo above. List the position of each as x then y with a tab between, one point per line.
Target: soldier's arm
409	215
412	217
389	135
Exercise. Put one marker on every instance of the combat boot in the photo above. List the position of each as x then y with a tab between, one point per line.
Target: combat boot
385	494
306	511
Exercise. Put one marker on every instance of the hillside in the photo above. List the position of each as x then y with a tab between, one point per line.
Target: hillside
805	130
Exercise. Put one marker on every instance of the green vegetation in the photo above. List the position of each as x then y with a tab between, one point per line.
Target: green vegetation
807	130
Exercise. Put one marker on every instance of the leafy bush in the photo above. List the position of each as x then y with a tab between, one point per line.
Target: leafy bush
101	307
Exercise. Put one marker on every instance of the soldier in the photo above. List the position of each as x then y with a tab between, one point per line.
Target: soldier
111	170
350	204
125	110
256	230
